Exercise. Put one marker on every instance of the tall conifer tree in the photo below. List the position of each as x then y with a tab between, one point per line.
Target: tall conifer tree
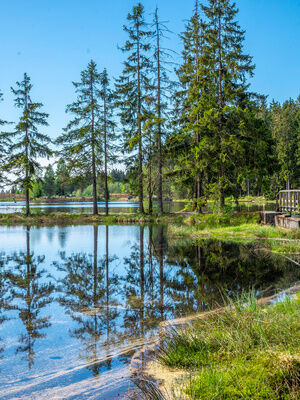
189	105
27	144
162	93
108	129
227	68
133	87
82	140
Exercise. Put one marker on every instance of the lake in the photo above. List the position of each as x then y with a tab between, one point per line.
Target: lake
82	207
77	302
114	207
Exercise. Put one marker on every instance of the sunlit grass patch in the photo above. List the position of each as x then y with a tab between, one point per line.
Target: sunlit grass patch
246	351
264	375
272	238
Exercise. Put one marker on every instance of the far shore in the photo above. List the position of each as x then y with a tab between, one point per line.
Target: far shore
238	227
65	199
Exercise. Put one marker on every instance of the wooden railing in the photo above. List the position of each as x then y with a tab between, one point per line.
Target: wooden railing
288	201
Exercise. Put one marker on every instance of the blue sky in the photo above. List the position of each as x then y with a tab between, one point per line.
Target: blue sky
53	40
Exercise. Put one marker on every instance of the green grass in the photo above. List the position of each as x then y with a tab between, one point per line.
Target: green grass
239	227
259	200
247	351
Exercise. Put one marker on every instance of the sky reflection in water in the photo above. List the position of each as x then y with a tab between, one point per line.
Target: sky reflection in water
76	302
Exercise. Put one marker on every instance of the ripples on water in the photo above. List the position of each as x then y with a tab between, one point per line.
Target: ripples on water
77	302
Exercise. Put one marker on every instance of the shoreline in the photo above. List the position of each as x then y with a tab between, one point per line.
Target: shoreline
170	381
239	227
62	219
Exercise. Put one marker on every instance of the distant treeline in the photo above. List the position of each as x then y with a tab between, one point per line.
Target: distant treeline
56	182
203	134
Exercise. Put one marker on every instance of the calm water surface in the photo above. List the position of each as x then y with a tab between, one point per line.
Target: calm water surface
114	207
82	207
77	302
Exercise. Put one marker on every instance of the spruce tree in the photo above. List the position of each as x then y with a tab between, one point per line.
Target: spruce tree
27	143
133	87
226	67
188	108
82	141
107	128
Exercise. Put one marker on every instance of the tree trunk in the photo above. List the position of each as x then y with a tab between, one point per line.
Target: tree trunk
159	127
28	247
105	158
140	151
107	316
95	266
161	271
107	267
150	242
142	279
198	50
221	100
221	103
139	121
27	202
95	299
150	206
94	178
94	173
221	199
27	178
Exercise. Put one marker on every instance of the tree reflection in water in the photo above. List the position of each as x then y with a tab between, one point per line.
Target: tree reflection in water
115	309
86	294
214	269
24	279
144	283
4	304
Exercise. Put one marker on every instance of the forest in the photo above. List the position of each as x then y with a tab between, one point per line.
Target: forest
192	130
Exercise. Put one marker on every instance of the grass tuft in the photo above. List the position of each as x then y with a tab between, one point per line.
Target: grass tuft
246	351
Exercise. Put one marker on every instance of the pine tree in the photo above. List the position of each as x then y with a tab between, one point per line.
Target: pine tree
27	144
133	87
108	129
82	140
